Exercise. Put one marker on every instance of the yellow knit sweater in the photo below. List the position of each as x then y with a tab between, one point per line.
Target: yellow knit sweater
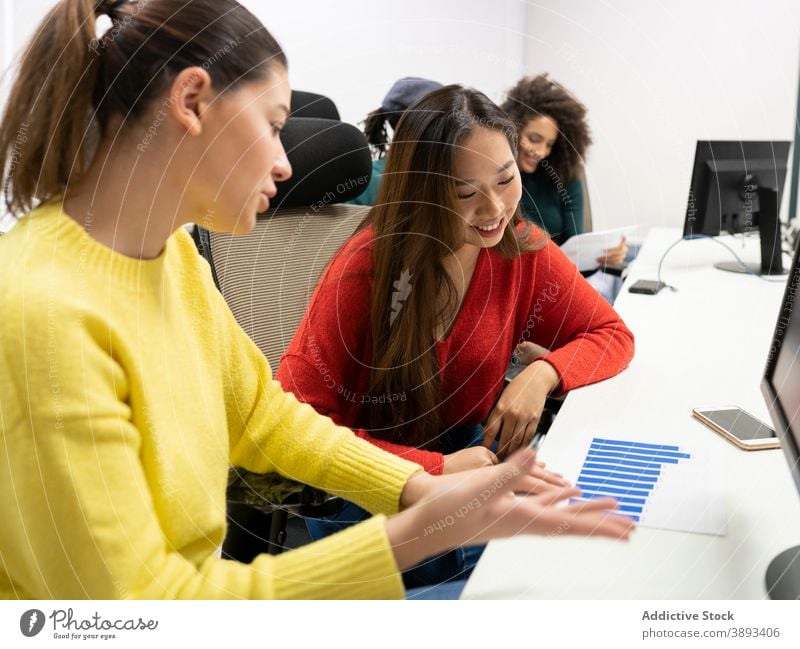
126	389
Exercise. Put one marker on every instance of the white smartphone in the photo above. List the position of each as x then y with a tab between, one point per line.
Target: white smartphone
739	427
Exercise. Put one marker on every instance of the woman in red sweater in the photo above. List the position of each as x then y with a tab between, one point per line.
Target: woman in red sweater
408	335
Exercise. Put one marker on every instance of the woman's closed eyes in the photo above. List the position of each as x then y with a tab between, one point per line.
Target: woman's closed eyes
507	181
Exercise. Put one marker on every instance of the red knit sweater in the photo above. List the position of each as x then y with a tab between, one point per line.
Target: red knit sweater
539	296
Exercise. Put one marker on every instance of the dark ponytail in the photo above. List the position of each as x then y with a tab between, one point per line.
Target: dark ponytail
70	83
46	117
375	130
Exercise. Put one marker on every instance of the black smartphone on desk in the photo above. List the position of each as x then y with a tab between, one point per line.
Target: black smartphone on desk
646	286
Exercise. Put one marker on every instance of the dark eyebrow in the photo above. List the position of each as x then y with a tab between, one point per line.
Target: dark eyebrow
468	181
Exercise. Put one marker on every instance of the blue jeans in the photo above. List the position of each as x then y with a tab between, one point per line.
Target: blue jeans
449	590
453	566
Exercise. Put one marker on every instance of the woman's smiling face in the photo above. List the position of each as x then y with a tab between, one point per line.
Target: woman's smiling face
536	141
487	184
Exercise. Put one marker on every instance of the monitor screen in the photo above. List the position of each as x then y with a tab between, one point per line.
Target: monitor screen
781	388
781	385
786	377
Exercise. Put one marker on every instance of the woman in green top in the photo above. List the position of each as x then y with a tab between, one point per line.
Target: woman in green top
553	139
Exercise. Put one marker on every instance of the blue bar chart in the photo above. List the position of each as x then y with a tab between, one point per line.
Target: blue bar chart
657	485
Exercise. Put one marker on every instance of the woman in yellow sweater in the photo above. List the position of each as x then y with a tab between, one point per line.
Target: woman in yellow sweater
126	386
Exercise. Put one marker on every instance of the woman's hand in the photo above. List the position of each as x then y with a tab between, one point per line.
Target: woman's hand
477	506
473	457
476	457
519	408
614	256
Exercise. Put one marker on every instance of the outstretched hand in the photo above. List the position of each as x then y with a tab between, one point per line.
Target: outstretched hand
501	501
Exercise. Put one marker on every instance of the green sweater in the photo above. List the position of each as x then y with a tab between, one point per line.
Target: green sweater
370	195
556	208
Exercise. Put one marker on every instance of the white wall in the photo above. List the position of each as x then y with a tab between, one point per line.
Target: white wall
656	77
353	50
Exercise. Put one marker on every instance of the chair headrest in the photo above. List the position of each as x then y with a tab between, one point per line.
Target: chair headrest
310	104
331	163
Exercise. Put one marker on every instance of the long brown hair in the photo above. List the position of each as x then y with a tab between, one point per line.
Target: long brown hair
416	225
71	83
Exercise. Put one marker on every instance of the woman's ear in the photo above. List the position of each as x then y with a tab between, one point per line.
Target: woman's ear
189	96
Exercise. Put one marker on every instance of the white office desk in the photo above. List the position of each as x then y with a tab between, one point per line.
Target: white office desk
705	345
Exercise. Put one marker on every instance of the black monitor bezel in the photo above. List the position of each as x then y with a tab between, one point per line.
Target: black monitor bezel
782	425
714	150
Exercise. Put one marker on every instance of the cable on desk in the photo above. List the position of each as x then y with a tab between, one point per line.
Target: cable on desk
690	237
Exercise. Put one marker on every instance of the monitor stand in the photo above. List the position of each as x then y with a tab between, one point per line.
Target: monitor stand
769	229
783	575
752	268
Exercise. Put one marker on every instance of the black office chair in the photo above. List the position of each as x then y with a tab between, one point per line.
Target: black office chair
310	104
267	277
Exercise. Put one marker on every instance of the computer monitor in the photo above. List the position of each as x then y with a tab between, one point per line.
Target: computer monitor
781	389
737	187
795	178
